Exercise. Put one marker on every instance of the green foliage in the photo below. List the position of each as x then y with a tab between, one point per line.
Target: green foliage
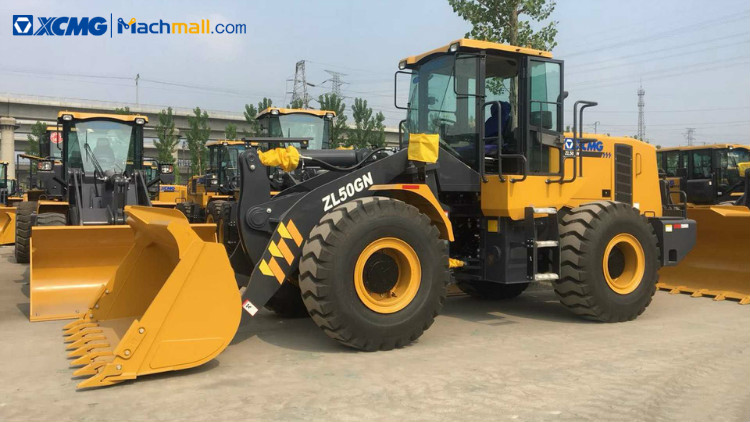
368	130
251	112
38	130
230	132
124	110
298	103
167	139
502	21
197	136
333	102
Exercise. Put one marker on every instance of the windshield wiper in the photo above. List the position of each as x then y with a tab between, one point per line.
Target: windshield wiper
90	155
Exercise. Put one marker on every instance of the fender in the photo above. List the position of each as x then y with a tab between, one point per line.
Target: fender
421	197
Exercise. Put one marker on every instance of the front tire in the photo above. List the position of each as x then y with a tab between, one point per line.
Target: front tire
23	231
610	260
374	273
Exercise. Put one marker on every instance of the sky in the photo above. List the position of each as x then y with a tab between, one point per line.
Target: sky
692	57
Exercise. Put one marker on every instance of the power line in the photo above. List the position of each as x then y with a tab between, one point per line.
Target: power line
722	20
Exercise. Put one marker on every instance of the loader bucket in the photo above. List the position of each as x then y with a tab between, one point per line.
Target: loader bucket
71	264
719	264
7	225
172	304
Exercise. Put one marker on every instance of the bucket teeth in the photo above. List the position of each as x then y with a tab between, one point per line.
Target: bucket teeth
75	323
78	327
84	350
90	369
107	374
81	334
85	340
90	357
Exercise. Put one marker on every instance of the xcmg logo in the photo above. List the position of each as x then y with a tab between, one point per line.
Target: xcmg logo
60	26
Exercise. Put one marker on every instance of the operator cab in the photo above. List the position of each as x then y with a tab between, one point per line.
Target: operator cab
298	123
222	173
102	145
498	108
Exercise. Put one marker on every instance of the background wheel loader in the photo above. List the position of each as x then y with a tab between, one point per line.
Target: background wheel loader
160	182
75	233
510	200
7	206
716	183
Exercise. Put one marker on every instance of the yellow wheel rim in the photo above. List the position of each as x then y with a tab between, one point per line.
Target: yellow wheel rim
624	263
220	231
387	275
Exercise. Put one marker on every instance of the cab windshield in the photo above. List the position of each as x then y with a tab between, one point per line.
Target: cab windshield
298	125
100	146
3	180
434	107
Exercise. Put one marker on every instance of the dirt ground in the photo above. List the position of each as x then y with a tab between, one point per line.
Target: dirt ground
528	360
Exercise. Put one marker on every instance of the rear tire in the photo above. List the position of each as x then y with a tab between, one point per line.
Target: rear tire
621	290
374	273
183	208
23	231
491	291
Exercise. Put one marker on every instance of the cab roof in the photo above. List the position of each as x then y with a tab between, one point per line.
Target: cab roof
319	113
465	44
709	146
225	142
77	115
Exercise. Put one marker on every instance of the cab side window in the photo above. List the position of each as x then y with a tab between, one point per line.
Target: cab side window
544	128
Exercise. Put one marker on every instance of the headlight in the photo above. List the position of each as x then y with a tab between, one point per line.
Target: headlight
140	121
453	48
44	165
67	117
329	116
402	65
167	169
275	111
214	181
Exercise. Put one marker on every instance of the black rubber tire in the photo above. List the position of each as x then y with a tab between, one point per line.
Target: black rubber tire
287	302
229	234
51	219
584	235
183	208
487	290
23	231
327	272
214	210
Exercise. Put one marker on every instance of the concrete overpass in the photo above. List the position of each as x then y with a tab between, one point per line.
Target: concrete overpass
19	113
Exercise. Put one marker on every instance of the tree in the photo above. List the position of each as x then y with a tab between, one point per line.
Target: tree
338	129
167	140
197	136
296	103
124	110
368	130
251	112
230	132
38	130
501	21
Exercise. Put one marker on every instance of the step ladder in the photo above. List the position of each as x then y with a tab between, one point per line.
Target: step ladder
538	249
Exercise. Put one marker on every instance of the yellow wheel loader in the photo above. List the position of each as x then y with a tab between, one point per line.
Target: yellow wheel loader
7	207
487	189
719	265
74	234
160	182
